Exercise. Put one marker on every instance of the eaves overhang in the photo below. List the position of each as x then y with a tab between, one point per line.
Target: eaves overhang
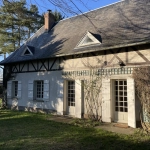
90	49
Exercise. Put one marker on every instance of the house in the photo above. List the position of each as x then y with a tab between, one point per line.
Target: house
47	71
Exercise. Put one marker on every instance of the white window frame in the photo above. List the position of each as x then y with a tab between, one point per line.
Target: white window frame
71	93
39	89
121	100
84	41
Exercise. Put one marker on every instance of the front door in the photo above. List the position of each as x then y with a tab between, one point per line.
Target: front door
121	102
71	98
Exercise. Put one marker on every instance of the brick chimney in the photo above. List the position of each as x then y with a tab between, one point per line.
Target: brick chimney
49	20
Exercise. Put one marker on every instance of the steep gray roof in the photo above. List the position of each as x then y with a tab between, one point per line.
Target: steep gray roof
121	24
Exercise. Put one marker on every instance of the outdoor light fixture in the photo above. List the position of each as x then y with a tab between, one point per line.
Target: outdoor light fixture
121	64
105	62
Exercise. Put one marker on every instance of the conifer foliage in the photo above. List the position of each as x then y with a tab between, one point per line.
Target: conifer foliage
18	23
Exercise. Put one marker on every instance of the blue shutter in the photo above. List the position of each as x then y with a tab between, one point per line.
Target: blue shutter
60	88
9	89
46	90
30	90
19	89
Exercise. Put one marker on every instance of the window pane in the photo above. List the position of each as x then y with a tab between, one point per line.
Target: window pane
125	93
120	87
116	93
121	109
126	109
125	98
16	88
121	96
125	87
116	103
116	87
116	82
125	104
120	93
121	103
39	88
116	108
71	92
68	103
120	82
116	98
125	82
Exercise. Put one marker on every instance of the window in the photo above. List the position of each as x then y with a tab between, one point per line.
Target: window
71	93
29	50
88	40
121	103
39	89
15	88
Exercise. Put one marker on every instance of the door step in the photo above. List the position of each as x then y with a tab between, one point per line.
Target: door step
121	125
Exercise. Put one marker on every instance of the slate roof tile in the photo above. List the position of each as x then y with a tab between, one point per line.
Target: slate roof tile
119	25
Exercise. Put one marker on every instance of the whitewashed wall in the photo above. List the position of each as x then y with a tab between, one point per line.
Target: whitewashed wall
55	101
56	80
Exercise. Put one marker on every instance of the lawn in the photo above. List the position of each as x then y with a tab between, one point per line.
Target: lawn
24	130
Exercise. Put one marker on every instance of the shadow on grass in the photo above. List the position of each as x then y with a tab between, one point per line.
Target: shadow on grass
25	130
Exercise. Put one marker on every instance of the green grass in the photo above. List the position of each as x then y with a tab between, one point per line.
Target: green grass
31	131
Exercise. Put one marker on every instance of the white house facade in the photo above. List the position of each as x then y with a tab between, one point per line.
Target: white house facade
49	70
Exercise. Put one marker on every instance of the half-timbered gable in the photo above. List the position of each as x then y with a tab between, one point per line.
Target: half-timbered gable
49	71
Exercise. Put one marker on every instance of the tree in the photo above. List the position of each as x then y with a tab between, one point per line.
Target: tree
17	25
33	20
58	16
141	76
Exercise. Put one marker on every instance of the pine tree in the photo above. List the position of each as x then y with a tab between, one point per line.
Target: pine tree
17	24
58	16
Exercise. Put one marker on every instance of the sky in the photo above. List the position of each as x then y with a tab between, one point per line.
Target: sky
82	5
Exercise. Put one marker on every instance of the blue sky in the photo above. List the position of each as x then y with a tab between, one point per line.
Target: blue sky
83	5
86	6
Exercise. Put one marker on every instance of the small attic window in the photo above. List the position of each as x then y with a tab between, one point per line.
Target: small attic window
27	51
87	40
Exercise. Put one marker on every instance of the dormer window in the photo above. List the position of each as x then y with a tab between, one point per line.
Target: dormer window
88	40
28	51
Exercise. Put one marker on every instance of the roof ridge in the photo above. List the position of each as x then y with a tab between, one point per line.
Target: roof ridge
92	10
